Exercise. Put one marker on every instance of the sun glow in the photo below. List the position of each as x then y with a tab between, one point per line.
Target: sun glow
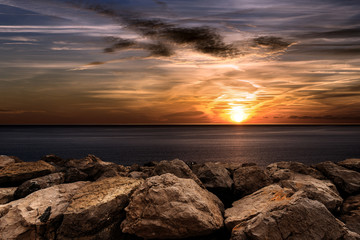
238	115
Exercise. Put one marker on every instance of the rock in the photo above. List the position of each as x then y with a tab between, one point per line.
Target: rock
249	179
167	206
138	175
321	190
216	178
5	160
276	213
350	213
176	167
284	170
351	163
150	164
74	175
7	194
36	184
20	219
96	206
16	173
347	181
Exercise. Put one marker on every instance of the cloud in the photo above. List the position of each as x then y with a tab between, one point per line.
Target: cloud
119	44
271	42
341	33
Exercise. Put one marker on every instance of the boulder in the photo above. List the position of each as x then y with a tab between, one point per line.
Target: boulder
321	190
96	206
176	167
284	170
36	184
278	213
351	163
16	173
350	213
249	179
74	175
347	181
5	160
7	194
167	206
216	178
38	215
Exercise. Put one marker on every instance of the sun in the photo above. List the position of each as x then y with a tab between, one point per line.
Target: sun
237	114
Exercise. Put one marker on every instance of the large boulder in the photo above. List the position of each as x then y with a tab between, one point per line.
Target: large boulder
97	206
216	178
321	190
249	179
278	213
38	215
346	181
176	167
285	170
350	213
351	163
36	184
170	207
7	194
16	173
6	160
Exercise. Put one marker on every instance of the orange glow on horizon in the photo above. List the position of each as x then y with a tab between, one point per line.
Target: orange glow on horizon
238	114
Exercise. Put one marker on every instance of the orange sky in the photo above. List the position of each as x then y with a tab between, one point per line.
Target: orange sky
164	62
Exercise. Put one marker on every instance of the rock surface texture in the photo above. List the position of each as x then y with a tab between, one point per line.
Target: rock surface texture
7	194
350	213
170	207
96	206
351	163
347	181
285	170
6	160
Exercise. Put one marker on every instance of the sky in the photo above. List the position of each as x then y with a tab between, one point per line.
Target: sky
179	61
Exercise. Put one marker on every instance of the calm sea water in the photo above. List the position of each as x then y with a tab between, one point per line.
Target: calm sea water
138	144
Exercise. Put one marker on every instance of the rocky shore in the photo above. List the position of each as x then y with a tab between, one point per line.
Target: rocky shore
89	199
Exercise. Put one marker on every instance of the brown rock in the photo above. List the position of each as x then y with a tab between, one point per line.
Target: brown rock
16	173
170	207
284	170
7	194
74	175
346	181
249	179
350	213
36	184
5	160
351	163
321	190
176	167
20	219
96	206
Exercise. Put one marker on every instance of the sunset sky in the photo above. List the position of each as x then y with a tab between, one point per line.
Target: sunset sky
179	61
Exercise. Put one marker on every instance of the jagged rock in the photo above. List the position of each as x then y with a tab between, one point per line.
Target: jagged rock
74	175
351	163
284	170
346	181
36	184
176	167
16	173
350	213
167	206
138	175
7	194
277	213
321	190
96	206
249	179
216	178
5	160
20	219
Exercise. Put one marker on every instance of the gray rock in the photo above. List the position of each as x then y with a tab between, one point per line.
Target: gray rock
170	207
249	179
284	170
20	219
351	163
96	206
7	194
346	181
16	173
321	190
36	184
176	167
350	213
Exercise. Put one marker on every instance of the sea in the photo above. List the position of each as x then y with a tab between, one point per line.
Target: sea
126	145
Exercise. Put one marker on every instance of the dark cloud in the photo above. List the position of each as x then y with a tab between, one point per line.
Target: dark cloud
185	114
159	49
273	43
119	44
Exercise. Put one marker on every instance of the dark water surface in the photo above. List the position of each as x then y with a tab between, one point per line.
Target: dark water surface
138	144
